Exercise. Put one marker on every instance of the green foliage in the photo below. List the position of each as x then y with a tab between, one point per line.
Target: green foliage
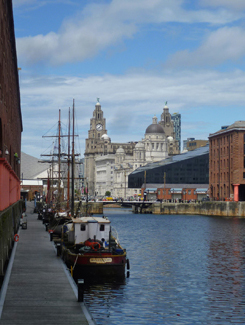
107	193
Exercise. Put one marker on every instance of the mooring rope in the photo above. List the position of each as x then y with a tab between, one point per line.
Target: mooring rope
75	262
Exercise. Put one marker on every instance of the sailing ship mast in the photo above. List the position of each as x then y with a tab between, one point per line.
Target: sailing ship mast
68	172
69	161
59	180
73	160
58	155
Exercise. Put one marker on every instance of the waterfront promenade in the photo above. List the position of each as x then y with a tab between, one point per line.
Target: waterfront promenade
39	290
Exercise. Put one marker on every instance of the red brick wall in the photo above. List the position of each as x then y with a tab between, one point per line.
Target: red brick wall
10	111
188	194
32	189
9	185
226	162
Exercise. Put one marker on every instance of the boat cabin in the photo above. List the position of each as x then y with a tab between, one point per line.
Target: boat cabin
96	228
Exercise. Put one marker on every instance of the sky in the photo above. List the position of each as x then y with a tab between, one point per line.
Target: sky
134	55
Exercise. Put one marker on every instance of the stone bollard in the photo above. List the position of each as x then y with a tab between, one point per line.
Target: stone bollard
58	246
80	287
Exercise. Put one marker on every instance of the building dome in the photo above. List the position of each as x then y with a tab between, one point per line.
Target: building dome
120	150
140	145
105	137
154	128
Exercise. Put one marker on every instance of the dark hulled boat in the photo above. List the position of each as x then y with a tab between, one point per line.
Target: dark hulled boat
91	249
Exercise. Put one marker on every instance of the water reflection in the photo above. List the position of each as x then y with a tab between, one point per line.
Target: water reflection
184	270
226	271
105	300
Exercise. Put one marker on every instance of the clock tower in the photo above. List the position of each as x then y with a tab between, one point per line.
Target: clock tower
94	146
97	123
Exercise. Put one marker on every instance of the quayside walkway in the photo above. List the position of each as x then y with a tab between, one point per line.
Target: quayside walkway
39	290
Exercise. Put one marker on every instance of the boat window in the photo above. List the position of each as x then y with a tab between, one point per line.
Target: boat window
102	227
83	227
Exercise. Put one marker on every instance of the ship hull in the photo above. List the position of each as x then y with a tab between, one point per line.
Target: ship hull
96	266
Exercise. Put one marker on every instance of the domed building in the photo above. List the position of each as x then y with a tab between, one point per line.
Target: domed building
153	147
107	164
155	142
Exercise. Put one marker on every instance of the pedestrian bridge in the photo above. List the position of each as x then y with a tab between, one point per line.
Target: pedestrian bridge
137	206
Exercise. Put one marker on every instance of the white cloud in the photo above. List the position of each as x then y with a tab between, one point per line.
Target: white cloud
100	26
129	102
232	4
227	43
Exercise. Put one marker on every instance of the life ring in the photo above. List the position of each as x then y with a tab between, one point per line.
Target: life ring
95	244
16	237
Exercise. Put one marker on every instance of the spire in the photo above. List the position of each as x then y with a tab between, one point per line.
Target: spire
154	120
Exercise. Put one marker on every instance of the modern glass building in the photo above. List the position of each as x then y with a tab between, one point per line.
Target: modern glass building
191	167
176	118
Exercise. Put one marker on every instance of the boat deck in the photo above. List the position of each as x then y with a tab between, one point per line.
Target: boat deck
38	289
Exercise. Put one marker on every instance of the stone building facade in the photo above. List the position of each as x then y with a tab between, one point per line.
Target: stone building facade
168	126
10	110
98	144
227	163
122	158
104	174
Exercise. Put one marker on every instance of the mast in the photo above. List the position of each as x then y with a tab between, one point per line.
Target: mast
59	194
52	179
72	162
68	175
57	159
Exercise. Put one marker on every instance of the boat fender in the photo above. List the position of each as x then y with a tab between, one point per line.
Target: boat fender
128	265
16	237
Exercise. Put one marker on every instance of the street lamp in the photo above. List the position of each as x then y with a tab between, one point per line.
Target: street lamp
125	185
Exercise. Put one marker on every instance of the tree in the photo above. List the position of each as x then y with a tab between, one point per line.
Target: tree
107	193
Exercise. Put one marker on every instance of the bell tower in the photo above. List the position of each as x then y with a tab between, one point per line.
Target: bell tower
97	123
94	146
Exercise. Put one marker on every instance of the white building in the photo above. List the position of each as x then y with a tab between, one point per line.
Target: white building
104	171
155	142
108	164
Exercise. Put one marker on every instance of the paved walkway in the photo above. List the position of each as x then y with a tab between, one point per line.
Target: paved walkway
39	291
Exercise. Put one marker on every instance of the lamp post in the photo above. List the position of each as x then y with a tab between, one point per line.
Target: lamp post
184	194
164	177
125	174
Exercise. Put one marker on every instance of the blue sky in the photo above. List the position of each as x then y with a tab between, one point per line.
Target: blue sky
134	55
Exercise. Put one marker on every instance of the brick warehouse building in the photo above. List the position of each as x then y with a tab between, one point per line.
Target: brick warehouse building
10	110
227	163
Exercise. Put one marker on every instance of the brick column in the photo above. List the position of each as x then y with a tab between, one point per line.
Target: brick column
236	192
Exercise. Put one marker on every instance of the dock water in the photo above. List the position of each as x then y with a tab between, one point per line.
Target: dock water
39	290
